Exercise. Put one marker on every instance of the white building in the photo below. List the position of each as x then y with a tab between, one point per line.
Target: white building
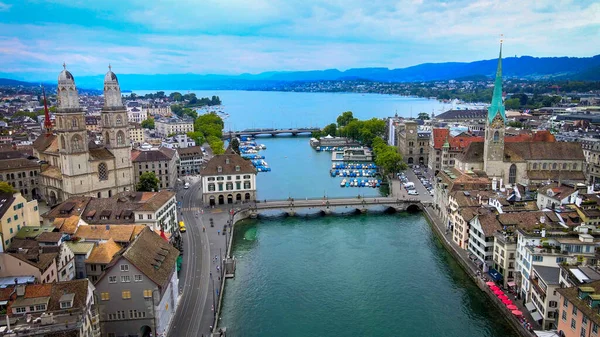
544	282
179	141
173	125
136	115
228	179
481	237
556	195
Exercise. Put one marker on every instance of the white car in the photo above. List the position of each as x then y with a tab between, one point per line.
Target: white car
413	192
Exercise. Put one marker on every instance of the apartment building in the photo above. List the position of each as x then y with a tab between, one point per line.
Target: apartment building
16	213
166	126
162	161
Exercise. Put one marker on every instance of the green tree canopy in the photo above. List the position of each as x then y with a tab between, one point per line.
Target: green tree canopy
235	145
330	129
423	116
148	183
6	187
345	118
512	104
387	157
216	144
197	136
148	123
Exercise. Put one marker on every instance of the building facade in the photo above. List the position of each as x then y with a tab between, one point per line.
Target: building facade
76	166
162	161
413	143
173	125
190	160
136	133
228	179
15	213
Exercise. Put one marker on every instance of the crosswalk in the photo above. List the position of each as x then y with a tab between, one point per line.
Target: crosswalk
190	209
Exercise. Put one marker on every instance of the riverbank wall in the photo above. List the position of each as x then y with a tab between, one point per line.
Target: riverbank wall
466	265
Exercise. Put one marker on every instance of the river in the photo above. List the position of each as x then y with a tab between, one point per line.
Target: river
361	275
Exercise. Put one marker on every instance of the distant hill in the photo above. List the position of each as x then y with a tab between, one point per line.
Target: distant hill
524	67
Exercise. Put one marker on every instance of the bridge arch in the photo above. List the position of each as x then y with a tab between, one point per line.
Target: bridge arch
413	208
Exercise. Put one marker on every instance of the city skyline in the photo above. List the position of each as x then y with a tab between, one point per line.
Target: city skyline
233	37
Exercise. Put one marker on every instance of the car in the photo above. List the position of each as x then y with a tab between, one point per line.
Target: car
413	192
182	227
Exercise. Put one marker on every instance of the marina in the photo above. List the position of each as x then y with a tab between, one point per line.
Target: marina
249	150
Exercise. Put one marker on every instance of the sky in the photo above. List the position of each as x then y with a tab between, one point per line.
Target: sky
253	36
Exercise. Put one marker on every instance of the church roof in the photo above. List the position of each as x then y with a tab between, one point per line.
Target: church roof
496	108
542	151
100	153
555	175
51	171
462	114
473	153
43	142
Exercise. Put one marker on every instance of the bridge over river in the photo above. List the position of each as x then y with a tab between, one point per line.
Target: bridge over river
327	206
271	132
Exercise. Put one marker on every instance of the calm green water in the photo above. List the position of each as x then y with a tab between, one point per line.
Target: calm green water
369	275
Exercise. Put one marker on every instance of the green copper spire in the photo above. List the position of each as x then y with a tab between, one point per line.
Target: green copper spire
497	107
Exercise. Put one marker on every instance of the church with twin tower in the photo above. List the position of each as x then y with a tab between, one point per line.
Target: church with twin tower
74	165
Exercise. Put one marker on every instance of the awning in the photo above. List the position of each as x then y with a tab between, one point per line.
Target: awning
530	307
511	284
536	316
495	274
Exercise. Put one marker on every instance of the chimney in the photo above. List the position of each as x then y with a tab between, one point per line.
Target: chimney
20	290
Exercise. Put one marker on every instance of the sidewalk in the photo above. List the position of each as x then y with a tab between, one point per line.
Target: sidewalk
473	272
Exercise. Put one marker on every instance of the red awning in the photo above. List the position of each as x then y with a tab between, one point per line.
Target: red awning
498	292
507	302
503	297
517	313
511	307
490	283
494	288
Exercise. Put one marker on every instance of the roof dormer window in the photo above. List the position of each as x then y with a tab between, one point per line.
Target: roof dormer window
226	160
237	168
219	169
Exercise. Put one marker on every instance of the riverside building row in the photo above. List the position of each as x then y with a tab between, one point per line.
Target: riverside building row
522	209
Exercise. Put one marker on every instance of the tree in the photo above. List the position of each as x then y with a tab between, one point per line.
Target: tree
512	104
148	183
515	124
6	187
176	96
423	116
330	129
216	144
197	136
148	123
345	118
235	145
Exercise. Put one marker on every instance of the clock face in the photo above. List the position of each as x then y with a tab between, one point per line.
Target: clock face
411	131
497	122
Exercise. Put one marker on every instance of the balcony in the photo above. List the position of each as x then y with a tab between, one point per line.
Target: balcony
538	288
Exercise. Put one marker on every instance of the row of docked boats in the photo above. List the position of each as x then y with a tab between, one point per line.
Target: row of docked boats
353	173
360	183
249	150
352	166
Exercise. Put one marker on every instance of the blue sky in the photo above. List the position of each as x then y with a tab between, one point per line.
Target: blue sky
239	36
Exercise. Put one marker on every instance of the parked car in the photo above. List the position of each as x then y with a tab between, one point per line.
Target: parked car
413	192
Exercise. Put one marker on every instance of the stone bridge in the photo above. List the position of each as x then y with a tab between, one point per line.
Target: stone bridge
327	206
272	132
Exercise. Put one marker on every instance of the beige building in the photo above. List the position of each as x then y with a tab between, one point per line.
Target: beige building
157	110
228	178
136	133
39	264
76	166
15	213
93	124
21	173
162	161
591	151
413	143
173	125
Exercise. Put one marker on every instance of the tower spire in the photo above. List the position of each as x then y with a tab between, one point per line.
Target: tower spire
47	122
497	106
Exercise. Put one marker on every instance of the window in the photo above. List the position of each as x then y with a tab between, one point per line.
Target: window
20	310
74	123
237	168
126	294
126	278
565	302
229	186
564	316
112	279
147	293
211	187
544	166
219	169
594	328
573	323
496	137
512	174
137	278
119	121
102	171
553	304
247	185
574	311
564	166
149	216
140	216
104	296
76	143
583	332
124	267
554	166
120	138
65	305
584	320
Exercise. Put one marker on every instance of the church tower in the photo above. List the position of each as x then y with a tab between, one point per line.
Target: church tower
495	127
70	130
115	131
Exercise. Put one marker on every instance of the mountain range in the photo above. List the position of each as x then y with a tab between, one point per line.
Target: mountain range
524	67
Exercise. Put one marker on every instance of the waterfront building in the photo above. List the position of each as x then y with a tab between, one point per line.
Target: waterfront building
190	160
138	291
444	148
156	210
556	195
162	161
413	143
392	123
330	141
463	207
57	309
520	162
228	178
163	110
482	227
74	165
136	133
462	115
173	125
579	310
504	258
15	213
544	283
21	173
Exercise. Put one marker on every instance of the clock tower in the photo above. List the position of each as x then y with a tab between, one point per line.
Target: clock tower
495	128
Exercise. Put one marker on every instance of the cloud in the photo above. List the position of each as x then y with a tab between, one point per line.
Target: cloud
4	7
237	36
